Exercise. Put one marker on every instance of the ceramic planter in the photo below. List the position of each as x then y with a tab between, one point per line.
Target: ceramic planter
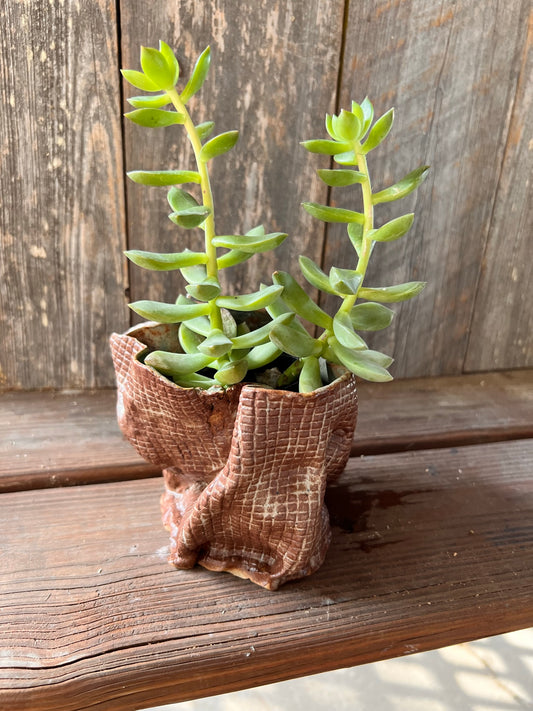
245	469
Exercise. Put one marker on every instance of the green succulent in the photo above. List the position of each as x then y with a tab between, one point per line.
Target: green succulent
219	346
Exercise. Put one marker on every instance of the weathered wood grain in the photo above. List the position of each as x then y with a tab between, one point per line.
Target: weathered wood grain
451	71
430	548
60	439
502	325
62	223
273	76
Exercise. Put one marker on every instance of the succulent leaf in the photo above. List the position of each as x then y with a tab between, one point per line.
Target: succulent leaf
310	377
176	364
371	317
198	75
332	214
345	281
168	313
405	186
154	118
165	262
216	344
260	335
154	65
205	129
361	362
299	301
262	355
218	145
206	290
392	294
315	276
232	372
139	80
344	332
379	131
149	102
394	229
340	177
250	243
250	302
163	177
325	147
189	340
294	342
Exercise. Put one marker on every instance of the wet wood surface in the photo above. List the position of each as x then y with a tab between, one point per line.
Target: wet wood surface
458	74
437	412
430	548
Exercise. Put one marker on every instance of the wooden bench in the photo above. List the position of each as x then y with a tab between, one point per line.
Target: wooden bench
433	532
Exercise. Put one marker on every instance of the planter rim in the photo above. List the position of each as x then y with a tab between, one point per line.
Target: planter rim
132	332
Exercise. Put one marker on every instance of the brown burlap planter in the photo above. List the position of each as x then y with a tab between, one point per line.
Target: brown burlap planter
245	469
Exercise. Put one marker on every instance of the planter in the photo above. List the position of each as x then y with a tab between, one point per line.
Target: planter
245	469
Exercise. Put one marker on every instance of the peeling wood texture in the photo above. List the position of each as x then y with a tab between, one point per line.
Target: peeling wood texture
430	548
62	208
459	75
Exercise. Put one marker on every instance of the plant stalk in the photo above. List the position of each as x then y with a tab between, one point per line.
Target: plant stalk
207	197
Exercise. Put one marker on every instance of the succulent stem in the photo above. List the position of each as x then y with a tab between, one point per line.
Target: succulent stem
207	197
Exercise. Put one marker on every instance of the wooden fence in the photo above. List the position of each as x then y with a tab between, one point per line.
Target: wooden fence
458	73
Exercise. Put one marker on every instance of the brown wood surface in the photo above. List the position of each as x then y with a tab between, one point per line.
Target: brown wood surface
430	548
504	296
62	226
273	76
58	439
456	76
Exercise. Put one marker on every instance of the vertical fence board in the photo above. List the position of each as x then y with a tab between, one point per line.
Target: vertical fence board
502	326
450	70
61	213
273	75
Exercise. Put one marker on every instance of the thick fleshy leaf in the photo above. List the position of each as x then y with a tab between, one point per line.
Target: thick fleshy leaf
344	332
194	380
355	234
198	75
340	177
163	177
156	68
362	363
195	273
168	313
250	243
229	325
368	113
177	363
189	340
218	145
300	302
359	113
260	335
170	59
325	147
165	262
332	214
345	281
346	126
315	276
399	190
199	325
190	218
139	80
250	302
216	344
348	158
262	355
155	118
205	129
207	290
232	373
371	317
310	377
294	342
149	102
393	230
392	294
179	199
379	131
233	257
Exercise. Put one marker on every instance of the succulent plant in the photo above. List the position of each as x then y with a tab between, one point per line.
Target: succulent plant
219	345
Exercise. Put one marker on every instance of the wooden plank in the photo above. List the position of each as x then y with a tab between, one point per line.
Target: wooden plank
451	72
62	231
502	325
57	439
430	548
273	76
